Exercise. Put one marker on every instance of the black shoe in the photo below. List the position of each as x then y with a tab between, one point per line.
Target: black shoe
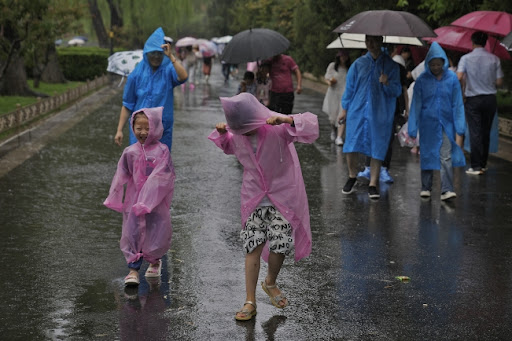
373	193
349	186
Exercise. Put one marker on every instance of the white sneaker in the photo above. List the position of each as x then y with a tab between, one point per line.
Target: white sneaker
474	171
333	136
425	194
448	195
339	141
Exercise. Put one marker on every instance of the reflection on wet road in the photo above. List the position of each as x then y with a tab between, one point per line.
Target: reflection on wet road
63	270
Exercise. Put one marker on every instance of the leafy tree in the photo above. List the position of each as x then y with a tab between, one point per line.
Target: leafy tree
28	29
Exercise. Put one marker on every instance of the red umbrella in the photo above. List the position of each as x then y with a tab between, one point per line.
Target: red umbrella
492	22
459	39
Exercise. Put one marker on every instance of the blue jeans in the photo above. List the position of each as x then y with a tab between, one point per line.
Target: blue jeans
446	169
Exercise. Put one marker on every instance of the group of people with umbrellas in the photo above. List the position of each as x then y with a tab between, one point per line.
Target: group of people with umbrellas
401	28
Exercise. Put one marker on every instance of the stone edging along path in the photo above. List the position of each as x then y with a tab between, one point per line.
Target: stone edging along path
22	146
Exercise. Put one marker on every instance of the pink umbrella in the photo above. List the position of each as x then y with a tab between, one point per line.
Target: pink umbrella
459	39
492	22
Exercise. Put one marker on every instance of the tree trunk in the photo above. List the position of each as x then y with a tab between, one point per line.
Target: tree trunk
116	14
52	72
97	22
14	81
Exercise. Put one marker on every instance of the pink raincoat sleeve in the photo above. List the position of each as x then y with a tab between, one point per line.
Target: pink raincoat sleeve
157	187
306	128
223	141
114	200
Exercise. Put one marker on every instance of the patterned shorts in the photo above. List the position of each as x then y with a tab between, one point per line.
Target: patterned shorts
267	223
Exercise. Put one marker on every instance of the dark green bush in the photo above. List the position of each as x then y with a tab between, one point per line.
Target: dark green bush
83	63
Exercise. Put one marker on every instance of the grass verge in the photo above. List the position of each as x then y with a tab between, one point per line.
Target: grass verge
9	103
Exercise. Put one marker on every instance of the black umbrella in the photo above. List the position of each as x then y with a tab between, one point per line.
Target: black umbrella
386	23
253	45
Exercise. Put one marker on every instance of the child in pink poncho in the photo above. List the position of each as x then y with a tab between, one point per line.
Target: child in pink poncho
274	205
147	171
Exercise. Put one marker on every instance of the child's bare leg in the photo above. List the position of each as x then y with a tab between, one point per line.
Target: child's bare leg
275	262
252	271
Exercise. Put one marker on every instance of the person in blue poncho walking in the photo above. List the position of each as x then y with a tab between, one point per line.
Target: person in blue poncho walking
368	107
437	111
151	85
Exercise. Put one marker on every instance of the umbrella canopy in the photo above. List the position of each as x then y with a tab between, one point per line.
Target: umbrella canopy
123	63
253	45
459	39
386	23
186	41
222	40
346	37
208	48
507	41
341	43
492	22
76	42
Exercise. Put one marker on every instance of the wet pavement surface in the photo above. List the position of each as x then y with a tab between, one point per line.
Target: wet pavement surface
63	270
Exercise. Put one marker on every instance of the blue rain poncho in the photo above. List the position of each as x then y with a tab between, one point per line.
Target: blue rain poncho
370	105
147	89
437	106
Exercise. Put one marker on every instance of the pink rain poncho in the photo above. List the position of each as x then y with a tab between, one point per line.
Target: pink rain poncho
148	173
274	170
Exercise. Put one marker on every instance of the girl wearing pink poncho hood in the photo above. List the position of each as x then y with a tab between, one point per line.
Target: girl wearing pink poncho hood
147	170
274	205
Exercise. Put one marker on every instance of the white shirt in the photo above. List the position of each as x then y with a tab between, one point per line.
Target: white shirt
482	69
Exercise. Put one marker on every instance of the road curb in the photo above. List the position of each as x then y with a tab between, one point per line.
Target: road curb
22	146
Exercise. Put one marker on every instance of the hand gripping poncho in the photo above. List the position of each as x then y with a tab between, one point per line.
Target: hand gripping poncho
148	173
274	170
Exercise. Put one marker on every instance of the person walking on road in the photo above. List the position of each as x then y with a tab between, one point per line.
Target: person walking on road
437	111
274	205
151	85
335	75
368	107
480	73
147	171
281	93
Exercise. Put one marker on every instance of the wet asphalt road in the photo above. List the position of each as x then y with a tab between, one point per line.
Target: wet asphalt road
63	270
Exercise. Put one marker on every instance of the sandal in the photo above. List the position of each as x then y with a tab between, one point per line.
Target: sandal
274	299
248	314
131	279
154	271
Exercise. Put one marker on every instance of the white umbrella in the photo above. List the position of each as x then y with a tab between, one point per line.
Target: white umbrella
346	44
186	41
76	42
222	40
124	62
349	39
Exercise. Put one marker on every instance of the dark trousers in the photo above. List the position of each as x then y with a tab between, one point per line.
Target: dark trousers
480	112
281	102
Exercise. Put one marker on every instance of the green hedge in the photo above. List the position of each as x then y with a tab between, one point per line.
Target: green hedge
83	63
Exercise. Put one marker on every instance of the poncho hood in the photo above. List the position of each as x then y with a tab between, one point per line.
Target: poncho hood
156	128
245	113
154	43
436	51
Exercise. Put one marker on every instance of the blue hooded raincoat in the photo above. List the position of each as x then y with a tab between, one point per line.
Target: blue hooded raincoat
370	105
147	89
437	106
